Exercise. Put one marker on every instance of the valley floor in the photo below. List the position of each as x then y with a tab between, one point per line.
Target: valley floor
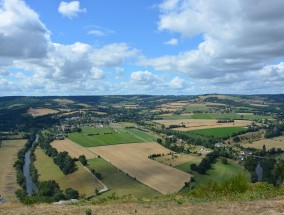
271	206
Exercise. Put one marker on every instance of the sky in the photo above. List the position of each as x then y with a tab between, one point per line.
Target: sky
157	47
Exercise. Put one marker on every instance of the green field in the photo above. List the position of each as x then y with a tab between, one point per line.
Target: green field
80	180
90	137
144	136
217	116
118	182
218	132
219	172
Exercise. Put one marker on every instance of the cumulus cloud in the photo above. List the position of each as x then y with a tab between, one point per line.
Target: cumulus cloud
70	9
143	77
52	67
145	82
172	42
19	25
238	37
177	83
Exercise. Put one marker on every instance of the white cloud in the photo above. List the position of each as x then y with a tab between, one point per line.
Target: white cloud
19	25
177	83
99	31
143	77
172	42
97	73
239	37
70	9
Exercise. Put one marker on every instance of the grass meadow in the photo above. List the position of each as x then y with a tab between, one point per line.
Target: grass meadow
90	137
80	180
219	172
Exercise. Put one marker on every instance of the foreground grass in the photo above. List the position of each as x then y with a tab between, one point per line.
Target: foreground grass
118	182
218	132
106	136
80	180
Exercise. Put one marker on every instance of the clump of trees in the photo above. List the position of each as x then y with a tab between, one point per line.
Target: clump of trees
62	159
206	162
65	162
83	160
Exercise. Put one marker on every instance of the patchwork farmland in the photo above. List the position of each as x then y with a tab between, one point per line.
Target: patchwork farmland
196	124
133	160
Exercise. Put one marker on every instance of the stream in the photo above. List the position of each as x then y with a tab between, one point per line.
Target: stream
30	185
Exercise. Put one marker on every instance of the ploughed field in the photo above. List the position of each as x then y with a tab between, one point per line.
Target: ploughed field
133	160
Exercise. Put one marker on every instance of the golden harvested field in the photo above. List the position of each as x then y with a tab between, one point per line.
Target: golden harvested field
175	159
72	148
133	160
81	180
276	142
64	101
195	124
40	111
8	155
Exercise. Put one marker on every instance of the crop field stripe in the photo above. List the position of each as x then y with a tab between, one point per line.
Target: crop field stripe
133	159
118	182
8	155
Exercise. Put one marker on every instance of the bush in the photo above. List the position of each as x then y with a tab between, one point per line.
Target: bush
83	160
193	167
70	193
88	211
224	161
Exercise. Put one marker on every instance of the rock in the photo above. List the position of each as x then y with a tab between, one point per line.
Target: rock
2	200
66	202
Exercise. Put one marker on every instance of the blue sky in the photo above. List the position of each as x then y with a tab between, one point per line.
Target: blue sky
107	47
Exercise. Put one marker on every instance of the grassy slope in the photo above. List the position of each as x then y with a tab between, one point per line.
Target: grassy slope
119	182
219	171
80	180
102	139
218	132
177	207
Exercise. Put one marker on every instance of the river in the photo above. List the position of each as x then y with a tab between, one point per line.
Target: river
258	171
30	185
